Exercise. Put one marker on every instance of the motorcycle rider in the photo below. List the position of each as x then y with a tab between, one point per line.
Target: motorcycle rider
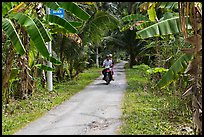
110	56
106	62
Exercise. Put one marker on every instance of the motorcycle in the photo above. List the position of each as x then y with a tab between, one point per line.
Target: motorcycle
107	74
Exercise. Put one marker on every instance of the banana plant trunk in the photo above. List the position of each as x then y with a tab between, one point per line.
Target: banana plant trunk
7	73
24	79
195	16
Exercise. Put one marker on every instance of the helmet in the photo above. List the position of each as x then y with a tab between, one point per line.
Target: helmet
107	55
110	55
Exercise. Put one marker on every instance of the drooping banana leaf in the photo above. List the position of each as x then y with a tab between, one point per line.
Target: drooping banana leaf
33	32
75	24
144	25
10	31
62	22
55	29
54	60
135	17
169	26
179	66
46	36
75	9
44	67
168	5
51	5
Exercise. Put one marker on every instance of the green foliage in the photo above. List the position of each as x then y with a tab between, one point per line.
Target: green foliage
76	24
142	67
156	70
10	31
169	26
54	60
33	32
75	9
98	26
21	112
7	6
168	5
146	111
45	34
178	67
135	17
62	22
44	67
52	5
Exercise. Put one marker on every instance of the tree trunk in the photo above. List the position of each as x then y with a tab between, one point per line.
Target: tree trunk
132	60
97	58
60	70
24	67
7	73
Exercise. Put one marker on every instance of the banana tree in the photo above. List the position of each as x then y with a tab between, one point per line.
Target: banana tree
9	24
69	40
30	25
191	60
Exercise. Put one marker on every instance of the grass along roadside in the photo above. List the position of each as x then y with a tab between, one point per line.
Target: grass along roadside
22	112
146	111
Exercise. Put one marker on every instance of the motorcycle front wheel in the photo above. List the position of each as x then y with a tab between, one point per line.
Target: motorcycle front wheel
107	79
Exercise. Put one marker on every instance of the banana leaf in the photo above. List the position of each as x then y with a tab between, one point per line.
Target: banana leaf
75	24
62	22
144	25
33	32
51	5
44	67
135	17
54	60
46	36
178	67
10	31
169	26
75	9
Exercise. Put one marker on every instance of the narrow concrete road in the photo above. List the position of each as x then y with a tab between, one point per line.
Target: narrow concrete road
96	110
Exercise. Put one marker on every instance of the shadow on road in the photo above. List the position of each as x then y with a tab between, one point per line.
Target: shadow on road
100	84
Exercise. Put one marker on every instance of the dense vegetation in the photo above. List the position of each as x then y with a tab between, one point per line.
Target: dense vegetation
21	112
147	110
166	36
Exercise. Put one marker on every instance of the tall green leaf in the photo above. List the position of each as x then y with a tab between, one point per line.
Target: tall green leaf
44	67
10	31
51	5
144	25
169	26
135	17
62	22
75	9
42	29
54	60
33	32
178	67
75	24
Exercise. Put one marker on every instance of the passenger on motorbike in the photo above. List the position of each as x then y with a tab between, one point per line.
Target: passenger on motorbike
110	56
107	62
